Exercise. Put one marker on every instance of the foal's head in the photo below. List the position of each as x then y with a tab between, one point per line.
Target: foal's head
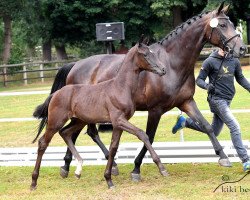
147	59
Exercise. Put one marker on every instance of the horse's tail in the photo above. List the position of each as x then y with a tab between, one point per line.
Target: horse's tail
41	112
59	82
61	76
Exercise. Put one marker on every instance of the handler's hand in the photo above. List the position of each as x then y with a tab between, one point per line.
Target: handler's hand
210	89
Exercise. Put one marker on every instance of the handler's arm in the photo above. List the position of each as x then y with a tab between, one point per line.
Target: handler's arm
240	77
200	81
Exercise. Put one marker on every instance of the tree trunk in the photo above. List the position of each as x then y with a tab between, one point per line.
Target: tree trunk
47	51
7	39
61	52
177	19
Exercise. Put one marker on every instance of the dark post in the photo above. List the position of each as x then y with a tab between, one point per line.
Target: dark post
5	76
109	47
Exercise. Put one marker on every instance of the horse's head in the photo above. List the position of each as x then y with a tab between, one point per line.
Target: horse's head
148	59
221	32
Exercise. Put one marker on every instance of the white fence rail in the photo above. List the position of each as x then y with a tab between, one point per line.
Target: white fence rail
169	152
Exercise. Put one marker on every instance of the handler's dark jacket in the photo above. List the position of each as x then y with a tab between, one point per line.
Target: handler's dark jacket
224	86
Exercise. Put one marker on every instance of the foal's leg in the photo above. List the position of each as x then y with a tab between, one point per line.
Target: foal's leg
152	124
66	134
116	135
124	124
93	133
43	143
193	112
64	170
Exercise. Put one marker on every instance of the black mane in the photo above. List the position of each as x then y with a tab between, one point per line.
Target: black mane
181	27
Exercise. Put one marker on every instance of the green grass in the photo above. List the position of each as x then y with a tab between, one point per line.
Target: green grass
20	134
186	181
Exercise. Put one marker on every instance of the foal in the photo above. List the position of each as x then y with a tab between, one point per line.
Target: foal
109	101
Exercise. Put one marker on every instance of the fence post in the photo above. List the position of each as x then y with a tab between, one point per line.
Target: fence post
41	73
25	75
5	76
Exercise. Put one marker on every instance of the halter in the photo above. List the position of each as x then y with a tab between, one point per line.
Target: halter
223	39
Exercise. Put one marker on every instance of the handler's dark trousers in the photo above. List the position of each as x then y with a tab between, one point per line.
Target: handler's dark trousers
223	114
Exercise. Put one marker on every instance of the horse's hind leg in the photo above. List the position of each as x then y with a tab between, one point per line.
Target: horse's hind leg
93	133
193	112
43	143
66	134
64	170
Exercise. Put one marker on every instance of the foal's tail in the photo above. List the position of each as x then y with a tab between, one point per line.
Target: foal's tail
59	82
41	112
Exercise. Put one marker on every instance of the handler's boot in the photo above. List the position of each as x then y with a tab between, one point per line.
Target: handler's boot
246	166
180	124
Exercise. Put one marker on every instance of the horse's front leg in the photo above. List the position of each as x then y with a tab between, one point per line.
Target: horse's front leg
190	108
116	135
154	117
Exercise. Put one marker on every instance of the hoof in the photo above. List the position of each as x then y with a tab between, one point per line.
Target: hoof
32	188
135	177
164	173
112	187
64	173
115	171
225	162
78	176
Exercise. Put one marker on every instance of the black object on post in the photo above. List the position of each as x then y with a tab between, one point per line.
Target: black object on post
108	32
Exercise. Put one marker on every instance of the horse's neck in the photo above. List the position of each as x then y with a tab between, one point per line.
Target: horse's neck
128	74
185	46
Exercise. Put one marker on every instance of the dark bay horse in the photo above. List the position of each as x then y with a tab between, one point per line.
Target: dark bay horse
155	94
109	101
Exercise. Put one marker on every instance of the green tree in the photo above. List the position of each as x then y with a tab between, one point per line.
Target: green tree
180	10
73	22
9	9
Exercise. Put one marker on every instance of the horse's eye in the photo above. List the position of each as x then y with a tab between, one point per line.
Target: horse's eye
222	25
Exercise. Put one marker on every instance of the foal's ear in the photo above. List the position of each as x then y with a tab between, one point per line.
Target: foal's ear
146	40
141	40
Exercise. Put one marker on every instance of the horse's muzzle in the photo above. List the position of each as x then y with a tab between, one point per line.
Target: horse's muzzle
243	51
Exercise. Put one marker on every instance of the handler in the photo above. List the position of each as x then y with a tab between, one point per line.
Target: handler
221	70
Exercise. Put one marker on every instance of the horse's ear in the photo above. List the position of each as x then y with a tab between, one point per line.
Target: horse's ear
225	9
219	9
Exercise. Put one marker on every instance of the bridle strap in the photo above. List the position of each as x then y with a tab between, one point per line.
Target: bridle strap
222	37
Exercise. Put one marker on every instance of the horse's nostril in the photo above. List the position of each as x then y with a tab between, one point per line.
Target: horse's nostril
243	49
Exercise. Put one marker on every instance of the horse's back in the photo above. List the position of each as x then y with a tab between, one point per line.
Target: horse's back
95	69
